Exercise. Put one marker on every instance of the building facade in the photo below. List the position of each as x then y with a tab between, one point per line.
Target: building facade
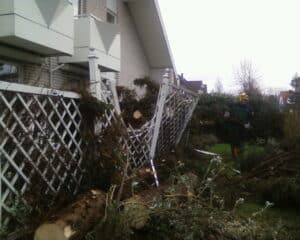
195	86
53	43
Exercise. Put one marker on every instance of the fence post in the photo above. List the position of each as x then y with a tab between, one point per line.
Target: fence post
158	119
95	75
113	87
188	118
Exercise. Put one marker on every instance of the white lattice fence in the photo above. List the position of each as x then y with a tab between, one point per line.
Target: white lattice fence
174	109
39	143
135	142
139	147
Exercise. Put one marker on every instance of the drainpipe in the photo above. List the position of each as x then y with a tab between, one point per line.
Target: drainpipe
95	75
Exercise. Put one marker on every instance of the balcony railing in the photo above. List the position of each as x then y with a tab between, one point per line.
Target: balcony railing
103	37
39	26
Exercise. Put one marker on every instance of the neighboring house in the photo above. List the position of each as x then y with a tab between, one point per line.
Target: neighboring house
285	99
289	100
42	43
196	86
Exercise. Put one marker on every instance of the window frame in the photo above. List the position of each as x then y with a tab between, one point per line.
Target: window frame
20	69
113	14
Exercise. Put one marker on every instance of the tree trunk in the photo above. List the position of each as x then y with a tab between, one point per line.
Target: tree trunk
76	220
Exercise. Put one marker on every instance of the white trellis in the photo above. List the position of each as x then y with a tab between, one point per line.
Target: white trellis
39	140
174	110
40	137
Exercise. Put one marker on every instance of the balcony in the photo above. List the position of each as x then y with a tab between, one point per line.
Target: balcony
43	27
103	37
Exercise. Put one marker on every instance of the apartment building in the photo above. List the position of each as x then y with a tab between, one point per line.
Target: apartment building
60	43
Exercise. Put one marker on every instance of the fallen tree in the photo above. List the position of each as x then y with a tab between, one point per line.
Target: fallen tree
76	219
91	209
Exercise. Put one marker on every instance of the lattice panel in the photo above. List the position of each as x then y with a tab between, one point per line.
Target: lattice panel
40	141
40	144
178	107
140	142
136	142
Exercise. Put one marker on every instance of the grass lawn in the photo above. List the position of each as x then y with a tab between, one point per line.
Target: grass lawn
222	149
289	219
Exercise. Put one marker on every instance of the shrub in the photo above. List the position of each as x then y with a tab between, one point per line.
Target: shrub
292	125
209	112
208	117
267	120
251	157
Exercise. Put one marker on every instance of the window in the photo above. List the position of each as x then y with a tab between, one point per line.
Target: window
9	72
110	17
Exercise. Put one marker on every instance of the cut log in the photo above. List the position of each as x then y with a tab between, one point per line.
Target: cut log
137	212
137	114
80	217
76	220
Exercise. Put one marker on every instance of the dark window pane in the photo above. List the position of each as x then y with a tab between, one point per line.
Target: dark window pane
9	72
110	18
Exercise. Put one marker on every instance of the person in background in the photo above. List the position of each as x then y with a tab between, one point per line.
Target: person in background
237	121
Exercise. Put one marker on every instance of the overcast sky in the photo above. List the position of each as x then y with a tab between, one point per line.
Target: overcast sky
209	39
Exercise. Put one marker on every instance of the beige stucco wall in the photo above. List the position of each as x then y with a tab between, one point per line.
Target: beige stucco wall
157	74
134	63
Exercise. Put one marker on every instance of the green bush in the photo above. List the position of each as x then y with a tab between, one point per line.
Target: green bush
267	121
209	112
283	191
251	156
208	117
291	125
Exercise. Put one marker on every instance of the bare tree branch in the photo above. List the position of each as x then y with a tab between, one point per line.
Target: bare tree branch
247	78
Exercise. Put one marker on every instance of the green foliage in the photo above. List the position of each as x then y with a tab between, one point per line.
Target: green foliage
3	232
251	156
195	221
113	226
283	191
291	125
92	110
20	211
203	140
208	117
129	101
152	86
100	159
204	217
267	120
209	113
102	162
291	144
222	149
285	222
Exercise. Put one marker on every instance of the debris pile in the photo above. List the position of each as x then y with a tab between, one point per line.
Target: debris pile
137	111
